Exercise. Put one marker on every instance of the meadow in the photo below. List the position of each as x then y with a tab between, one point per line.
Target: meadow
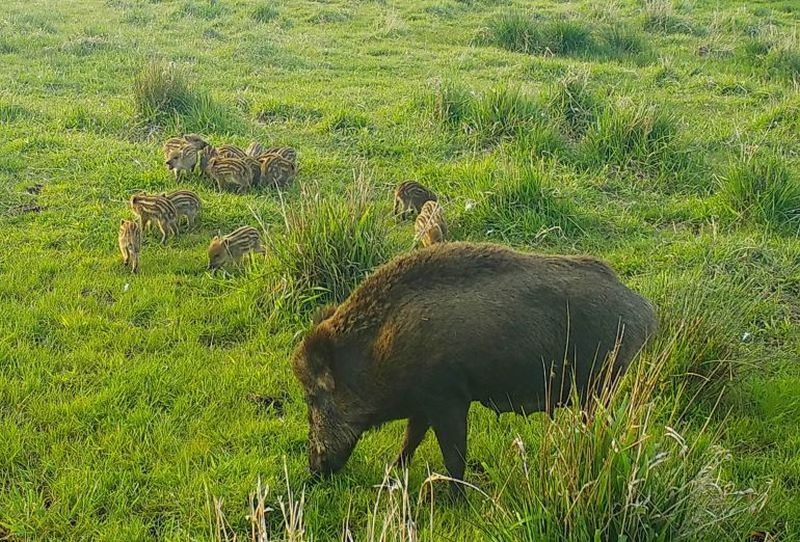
659	135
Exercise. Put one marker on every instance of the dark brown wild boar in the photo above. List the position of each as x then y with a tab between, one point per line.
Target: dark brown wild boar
434	330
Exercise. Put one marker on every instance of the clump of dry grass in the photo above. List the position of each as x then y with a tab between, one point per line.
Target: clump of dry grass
291	508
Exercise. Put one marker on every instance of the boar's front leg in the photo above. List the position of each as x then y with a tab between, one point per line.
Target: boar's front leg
450	426
416	428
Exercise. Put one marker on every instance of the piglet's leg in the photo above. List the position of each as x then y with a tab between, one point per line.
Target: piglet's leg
450	426
416	429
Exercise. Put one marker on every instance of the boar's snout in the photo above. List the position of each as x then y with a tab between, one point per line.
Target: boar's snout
333	426
323	463
331	441
318	464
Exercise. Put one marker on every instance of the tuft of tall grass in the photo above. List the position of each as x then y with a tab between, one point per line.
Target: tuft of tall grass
7	47
162	90
782	119
449	103
391	24
703	318
622	40
500	113
203	9
346	122
761	187
755	47
618	469
330	244
522	206
264	13
659	16
574	104
784	62
779	53
523	33
10	112
638	138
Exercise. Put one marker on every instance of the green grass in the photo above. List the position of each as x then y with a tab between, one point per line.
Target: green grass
760	186
573	102
638	138
629	470
328	246
660	16
264	13
162	90
525	32
660	136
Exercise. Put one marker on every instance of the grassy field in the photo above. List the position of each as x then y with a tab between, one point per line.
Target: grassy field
660	136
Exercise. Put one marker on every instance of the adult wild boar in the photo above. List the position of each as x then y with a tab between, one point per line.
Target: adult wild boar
433	330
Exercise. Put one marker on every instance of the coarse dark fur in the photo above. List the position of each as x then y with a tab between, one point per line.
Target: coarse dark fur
434	330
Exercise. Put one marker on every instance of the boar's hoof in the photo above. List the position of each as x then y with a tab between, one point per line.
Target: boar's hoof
458	492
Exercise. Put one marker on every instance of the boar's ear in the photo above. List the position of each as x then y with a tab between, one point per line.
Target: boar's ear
317	363
322	313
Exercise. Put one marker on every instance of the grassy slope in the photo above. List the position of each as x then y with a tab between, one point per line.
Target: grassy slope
123	399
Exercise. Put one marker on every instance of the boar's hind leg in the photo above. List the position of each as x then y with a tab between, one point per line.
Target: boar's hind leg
415	431
450	426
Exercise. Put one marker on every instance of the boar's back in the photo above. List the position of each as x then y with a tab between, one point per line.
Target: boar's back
483	322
